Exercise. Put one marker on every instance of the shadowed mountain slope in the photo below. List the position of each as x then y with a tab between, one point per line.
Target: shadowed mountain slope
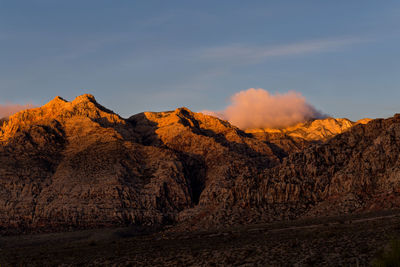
356	171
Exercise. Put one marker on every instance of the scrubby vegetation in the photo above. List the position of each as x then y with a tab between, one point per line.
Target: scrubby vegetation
390	256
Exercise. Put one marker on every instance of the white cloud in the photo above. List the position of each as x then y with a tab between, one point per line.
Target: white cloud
257	108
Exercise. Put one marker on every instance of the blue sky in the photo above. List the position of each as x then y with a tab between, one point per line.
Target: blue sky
342	56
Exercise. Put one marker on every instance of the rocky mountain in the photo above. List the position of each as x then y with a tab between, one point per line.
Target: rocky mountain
356	171
76	163
79	164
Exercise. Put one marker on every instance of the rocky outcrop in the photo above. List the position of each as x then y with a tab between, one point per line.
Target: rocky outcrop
79	164
213	152
356	171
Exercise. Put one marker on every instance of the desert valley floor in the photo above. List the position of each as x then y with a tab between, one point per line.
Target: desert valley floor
353	240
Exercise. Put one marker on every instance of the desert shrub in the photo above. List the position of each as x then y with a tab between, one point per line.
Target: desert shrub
389	257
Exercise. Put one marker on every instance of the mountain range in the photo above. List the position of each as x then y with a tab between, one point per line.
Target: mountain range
78	164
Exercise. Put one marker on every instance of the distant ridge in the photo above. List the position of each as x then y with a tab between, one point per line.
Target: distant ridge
314	130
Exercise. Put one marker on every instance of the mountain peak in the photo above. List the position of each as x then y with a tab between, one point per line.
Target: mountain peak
85	98
82	108
363	121
59	99
183	110
60	102
81	99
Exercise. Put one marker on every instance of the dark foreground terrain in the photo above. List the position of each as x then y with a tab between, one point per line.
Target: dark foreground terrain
336	241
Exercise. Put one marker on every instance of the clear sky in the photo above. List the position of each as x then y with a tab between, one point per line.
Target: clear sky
342	56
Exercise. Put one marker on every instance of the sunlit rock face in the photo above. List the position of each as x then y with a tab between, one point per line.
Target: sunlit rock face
83	111
314	130
79	164
76	163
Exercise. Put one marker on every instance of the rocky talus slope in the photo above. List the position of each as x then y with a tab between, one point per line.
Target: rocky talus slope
79	164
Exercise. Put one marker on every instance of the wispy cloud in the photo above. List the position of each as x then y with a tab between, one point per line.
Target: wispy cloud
255	54
9	109
214	62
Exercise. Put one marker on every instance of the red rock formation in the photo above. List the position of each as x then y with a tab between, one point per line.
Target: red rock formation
75	163
78	164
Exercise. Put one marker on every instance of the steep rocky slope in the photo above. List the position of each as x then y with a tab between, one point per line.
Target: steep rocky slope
79	164
356	171
76	163
213	152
